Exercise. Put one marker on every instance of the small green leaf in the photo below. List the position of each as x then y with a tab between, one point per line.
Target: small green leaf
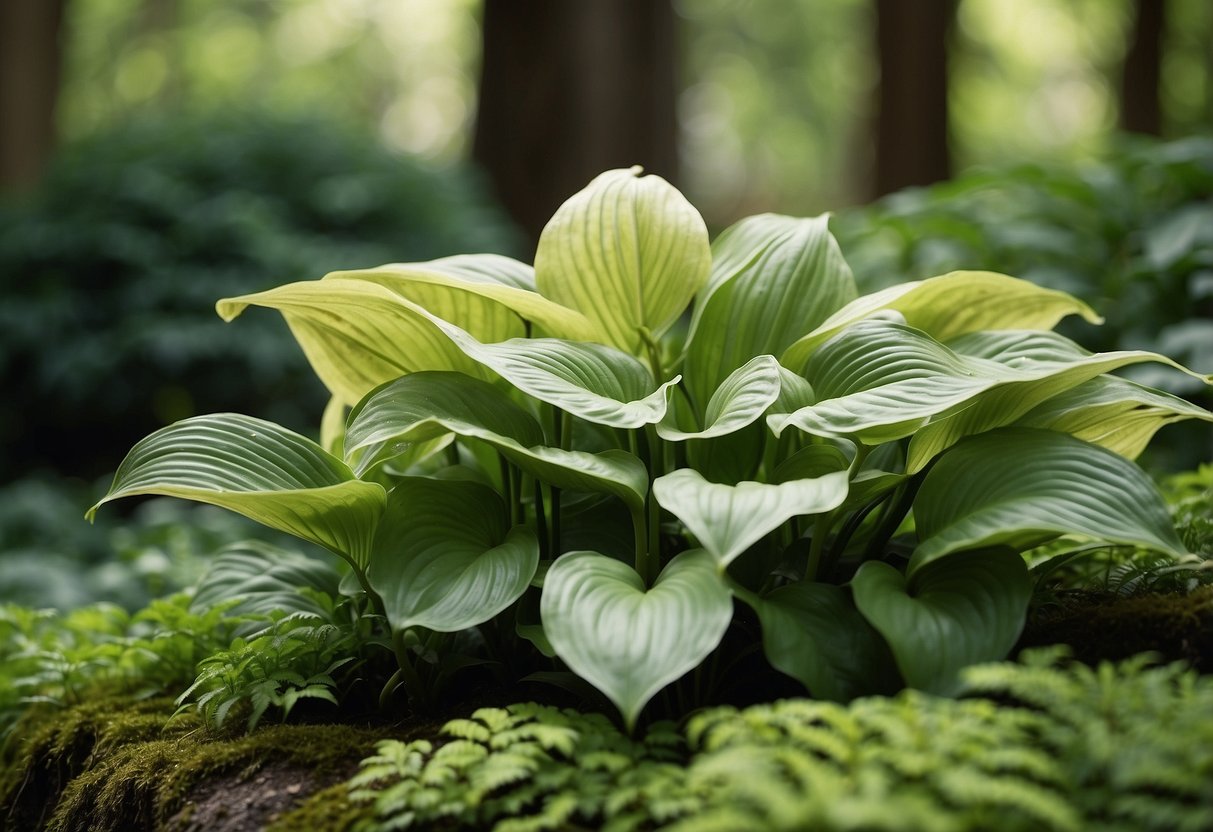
951	305
739	401
1019	487
625	641
444	557
813	633
773	279
629	252
728	519
258	469
959	612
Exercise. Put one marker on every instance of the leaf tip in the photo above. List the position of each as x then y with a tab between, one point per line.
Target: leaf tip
230	308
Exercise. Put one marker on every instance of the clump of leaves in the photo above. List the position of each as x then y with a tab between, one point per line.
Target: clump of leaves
492	427
1061	747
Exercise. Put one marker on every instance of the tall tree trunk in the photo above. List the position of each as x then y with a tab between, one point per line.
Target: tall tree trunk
912	41
569	89
30	58
1140	111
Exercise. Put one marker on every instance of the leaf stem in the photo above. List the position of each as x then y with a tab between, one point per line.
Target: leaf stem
408	673
821	525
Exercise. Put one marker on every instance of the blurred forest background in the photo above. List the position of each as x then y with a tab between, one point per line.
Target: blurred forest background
156	155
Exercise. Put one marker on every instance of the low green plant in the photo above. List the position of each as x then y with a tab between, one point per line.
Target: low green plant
1055	747
863	472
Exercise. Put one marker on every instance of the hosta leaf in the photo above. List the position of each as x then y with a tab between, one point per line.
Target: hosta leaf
444	557
628	251
265	578
1117	414
773	279
443	286
626	641
814	633
818	460
880	380
1050	365
739	401
421	406
1018	487
951	305
596	382
358	334
258	469
955	613
728	519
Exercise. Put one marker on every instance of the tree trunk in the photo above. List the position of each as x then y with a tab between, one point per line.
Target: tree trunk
912	41
1140	111
30	57
569	89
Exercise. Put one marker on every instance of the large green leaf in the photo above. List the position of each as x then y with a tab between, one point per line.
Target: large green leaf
628	251
1112	412
421	406
959	612
1049	363
728	519
444	557
443	286
358	334
1018	487
814	633
739	401
258	469
773	279
880	380
625	641
264	579
951	305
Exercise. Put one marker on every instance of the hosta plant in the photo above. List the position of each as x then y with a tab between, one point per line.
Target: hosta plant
559	451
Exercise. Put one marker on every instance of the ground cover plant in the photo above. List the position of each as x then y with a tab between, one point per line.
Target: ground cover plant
558	454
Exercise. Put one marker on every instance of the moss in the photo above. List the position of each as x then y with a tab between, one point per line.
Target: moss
329	809
1100	626
111	766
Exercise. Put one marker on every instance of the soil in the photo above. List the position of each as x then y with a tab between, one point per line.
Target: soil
245	801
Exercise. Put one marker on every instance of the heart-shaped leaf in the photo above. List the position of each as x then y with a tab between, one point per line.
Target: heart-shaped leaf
739	401
951	305
728	519
1019	487
628	251
625	641
421	406
814	633
959	612
258	469
441	286
1113	413
358	334
773	279
444	557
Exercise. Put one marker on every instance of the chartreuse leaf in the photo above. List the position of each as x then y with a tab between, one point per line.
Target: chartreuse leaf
421	406
596	382
444	557
442	287
1114	413
358	334
628	252
728	519
258	469
879	380
955	613
813	633
773	279
1049	363
1019	487
951	305
739	401
627	642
